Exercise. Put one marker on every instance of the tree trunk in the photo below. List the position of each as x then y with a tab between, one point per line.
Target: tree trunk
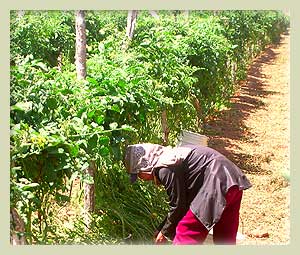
17	228
186	14
154	14
89	195
176	13
80	62
131	21
80	56
216	12
20	13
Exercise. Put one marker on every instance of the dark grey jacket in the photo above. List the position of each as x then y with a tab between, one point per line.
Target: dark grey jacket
200	183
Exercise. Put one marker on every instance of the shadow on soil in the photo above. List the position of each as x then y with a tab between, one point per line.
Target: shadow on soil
230	124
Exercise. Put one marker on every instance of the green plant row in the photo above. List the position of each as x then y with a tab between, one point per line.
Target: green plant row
188	68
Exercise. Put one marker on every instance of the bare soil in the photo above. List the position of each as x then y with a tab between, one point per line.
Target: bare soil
254	134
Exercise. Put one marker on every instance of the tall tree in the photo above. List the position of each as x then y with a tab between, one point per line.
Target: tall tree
186	14
21	14
80	55
17	228
154	14
80	62
131	21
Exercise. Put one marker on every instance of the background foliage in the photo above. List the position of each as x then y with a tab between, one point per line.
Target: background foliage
188	67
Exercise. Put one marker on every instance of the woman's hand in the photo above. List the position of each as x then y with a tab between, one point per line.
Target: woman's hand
160	238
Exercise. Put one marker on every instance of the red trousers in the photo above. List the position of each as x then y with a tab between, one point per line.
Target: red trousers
191	231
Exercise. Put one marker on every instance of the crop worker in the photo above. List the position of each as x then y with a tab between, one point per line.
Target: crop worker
204	189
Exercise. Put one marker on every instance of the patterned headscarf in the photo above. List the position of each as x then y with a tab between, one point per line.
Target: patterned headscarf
147	156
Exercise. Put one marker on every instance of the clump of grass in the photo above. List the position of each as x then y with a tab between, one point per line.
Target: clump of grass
132	211
124	213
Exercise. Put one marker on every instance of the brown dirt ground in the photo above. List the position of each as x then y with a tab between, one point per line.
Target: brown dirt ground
254	133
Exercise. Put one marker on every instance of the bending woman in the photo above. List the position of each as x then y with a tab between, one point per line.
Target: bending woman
204	188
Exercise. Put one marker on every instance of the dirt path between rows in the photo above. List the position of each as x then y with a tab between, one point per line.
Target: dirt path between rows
254	133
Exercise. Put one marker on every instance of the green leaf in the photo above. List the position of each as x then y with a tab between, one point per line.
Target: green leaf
52	150
82	142
113	125
30	186
61	150
22	106
74	149
84	166
92	142
55	140
94	125
100	119
91	114
104	151
16	168
104	140
128	128
50	173
92	81
122	83
42	66
61	198
51	103
115	108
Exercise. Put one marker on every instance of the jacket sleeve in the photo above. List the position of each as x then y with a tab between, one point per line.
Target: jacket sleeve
172	178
